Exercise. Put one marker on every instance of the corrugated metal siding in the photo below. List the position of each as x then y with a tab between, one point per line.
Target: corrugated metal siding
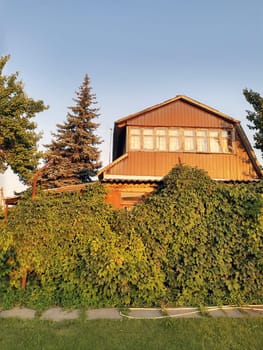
219	166
181	114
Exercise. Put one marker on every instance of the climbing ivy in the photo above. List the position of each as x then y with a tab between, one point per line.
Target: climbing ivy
69	255
206	236
192	242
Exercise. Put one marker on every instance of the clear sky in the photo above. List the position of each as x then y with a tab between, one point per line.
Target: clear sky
137	53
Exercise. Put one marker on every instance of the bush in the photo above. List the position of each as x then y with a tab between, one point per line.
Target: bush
66	249
207	238
192	242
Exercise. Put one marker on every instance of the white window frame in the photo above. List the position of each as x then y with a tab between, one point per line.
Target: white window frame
148	139
177	136
225	142
159	138
132	141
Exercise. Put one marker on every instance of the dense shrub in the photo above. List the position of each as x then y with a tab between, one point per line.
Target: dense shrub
192	242
66	249
206	236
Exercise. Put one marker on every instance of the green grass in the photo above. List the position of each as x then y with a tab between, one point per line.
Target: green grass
166	334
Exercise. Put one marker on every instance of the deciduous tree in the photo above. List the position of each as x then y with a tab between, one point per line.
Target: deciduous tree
256	116
18	137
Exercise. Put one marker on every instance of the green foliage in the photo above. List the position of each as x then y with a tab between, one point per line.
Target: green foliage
18	137
207	238
193	242
73	156
66	247
256	116
51	235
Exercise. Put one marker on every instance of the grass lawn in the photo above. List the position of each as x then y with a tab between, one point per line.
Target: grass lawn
207	333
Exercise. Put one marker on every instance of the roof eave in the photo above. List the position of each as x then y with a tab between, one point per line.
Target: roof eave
102	173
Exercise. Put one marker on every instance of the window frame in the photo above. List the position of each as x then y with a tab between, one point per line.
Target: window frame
225	142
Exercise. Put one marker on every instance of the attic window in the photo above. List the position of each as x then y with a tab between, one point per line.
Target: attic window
214	141
160	136
148	139
181	140
189	140
226	141
135	137
201	141
174	140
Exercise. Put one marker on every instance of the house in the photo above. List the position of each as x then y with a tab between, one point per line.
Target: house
149	143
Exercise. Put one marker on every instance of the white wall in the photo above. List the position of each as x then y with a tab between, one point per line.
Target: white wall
10	183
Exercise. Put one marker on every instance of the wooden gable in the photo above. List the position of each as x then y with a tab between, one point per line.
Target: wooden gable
178	111
181	112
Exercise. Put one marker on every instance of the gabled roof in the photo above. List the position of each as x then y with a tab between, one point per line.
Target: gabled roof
177	98
122	123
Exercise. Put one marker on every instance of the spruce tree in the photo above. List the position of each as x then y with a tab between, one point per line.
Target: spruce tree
72	155
18	136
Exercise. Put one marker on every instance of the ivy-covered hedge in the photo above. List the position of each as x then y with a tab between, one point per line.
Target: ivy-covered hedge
206	236
65	247
192	242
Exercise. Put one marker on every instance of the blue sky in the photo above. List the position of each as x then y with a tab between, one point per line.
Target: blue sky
137	53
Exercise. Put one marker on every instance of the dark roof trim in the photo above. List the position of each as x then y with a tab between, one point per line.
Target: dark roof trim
249	150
